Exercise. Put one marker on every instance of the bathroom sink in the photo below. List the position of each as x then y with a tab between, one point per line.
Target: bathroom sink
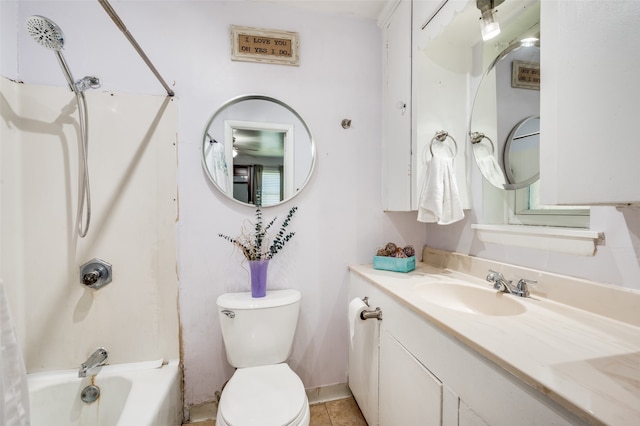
470	299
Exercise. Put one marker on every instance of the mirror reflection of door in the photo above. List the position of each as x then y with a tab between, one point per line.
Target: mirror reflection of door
261	173
263	145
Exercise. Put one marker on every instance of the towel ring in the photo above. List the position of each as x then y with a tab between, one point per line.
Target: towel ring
476	137
442	136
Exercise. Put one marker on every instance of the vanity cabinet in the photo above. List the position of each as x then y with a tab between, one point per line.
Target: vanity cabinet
401	390
427	376
420	97
409	394
589	103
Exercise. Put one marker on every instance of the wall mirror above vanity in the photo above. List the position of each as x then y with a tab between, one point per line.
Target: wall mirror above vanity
258	151
504	128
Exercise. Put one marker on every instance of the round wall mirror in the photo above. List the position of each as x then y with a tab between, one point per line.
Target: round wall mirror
258	151
505	119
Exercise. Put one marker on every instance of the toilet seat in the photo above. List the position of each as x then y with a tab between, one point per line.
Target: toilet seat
270	395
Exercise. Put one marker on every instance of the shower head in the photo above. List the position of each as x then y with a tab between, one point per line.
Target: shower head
45	32
48	34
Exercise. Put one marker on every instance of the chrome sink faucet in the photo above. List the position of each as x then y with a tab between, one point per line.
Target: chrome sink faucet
500	283
96	359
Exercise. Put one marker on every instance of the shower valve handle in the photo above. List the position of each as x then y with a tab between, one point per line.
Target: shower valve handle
91	277
95	274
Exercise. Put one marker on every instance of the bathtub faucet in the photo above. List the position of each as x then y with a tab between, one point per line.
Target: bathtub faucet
97	358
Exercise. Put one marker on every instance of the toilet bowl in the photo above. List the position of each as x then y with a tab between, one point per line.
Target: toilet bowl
258	336
271	395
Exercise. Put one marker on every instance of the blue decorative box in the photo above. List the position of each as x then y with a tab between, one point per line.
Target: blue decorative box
395	264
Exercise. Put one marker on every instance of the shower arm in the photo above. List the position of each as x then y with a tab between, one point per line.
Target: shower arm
114	16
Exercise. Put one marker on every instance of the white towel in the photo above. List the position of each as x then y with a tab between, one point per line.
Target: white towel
489	166
490	169
439	200
14	392
221	172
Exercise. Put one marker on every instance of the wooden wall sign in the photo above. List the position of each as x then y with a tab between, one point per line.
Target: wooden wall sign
262	45
525	75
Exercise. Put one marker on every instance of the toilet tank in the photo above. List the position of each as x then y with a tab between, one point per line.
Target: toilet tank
258	331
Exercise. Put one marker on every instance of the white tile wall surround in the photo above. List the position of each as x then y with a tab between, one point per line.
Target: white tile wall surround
132	160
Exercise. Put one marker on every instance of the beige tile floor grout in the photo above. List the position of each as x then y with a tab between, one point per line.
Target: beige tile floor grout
341	412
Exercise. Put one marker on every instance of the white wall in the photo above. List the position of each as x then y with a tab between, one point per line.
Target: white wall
339	220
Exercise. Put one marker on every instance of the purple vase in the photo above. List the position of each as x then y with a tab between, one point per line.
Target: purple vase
258	270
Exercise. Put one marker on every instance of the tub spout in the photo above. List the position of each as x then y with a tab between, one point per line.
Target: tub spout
97	358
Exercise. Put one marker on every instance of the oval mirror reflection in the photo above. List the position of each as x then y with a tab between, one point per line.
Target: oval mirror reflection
258	151
505	124
522	152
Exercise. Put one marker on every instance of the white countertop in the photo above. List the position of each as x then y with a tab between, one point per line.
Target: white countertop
586	362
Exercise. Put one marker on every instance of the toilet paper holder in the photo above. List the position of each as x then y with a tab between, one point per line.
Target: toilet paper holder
369	314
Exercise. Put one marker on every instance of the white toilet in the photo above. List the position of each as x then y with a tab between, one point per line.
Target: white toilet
258	337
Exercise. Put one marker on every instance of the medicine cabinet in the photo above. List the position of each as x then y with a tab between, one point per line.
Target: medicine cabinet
589	103
399	184
588	96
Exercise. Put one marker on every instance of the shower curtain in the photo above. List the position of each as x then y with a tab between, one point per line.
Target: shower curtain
14	393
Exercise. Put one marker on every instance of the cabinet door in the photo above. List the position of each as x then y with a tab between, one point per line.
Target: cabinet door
409	394
396	141
589	102
468	417
364	342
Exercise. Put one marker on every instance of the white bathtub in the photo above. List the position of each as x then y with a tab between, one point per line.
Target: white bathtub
137	394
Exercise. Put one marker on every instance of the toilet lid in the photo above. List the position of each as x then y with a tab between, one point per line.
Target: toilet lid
263	396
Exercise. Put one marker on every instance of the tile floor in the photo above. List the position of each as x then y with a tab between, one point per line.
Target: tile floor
342	412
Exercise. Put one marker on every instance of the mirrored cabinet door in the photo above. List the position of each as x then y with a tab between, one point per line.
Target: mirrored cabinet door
396	110
589	114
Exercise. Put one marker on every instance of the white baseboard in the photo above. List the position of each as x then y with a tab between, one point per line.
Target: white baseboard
328	393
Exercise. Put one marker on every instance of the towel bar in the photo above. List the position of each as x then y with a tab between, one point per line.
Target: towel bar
476	137
442	136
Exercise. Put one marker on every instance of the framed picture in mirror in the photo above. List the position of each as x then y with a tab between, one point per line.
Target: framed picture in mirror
525	75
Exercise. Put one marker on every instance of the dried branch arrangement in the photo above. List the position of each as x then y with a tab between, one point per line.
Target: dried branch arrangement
254	240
